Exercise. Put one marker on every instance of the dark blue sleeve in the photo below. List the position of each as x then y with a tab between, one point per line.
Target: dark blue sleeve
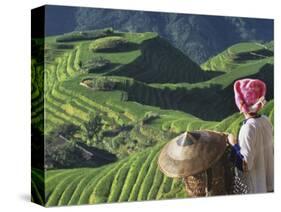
237	157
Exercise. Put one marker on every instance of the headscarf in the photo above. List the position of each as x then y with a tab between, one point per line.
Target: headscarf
249	95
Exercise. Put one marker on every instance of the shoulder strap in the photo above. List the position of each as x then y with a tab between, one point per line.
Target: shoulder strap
209	179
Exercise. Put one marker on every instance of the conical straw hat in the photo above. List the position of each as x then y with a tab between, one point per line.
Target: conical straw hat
191	153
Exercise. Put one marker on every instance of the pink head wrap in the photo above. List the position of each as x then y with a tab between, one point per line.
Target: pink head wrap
249	95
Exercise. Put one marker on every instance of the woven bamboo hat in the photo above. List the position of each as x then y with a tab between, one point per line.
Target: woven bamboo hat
191	153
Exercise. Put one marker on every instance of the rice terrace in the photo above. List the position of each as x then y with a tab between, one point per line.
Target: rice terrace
106	101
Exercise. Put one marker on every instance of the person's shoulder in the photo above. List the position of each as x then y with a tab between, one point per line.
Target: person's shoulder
252	124
265	118
249	125
253	121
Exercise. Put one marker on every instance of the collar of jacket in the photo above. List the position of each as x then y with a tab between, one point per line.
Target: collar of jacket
253	117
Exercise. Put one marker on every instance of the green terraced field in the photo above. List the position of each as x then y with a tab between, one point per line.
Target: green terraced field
228	60
154	77
134	178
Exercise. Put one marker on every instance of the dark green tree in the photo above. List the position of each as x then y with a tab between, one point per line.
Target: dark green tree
90	129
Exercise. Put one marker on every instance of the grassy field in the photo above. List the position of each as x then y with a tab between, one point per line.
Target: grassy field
151	78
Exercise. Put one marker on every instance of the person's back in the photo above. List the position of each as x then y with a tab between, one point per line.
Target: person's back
256	141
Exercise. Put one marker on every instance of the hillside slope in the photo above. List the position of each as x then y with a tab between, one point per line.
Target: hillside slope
134	178
238	54
66	101
198	36
160	62
145	92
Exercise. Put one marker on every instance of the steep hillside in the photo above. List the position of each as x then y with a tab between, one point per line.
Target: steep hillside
198	36
237	55
69	102
141	92
251	60
200	98
160	62
37	84
149	58
135	178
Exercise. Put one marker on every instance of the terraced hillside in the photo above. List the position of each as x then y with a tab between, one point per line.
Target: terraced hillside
131	179
252	60
37	84
154	65
145	92
237	55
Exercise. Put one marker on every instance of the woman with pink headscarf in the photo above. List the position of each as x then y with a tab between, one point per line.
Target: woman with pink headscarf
253	152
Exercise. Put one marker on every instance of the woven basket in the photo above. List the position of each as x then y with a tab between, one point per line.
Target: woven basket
217	180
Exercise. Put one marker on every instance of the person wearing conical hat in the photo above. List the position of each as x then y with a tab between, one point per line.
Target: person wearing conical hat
194	156
253	151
